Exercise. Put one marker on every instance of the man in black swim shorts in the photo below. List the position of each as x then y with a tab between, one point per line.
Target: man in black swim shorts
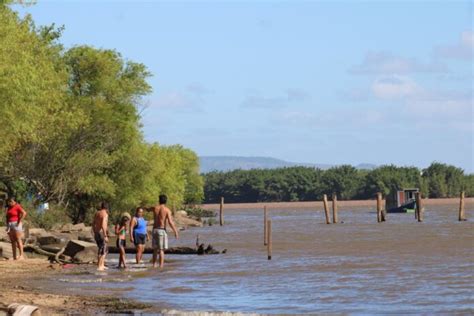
100	228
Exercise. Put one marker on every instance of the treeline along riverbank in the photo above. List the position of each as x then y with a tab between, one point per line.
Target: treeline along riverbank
310	184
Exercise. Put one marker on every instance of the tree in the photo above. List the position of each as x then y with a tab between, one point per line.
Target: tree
344	180
71	126
31	87
386	179
469	185
443	180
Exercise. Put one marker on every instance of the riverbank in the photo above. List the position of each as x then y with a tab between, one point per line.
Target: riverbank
29	282
319	204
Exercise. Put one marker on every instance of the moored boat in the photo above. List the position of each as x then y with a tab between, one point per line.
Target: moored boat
402	201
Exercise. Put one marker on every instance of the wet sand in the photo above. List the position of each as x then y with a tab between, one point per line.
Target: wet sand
34	282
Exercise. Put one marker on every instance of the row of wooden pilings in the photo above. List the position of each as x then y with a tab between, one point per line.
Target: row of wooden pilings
381	215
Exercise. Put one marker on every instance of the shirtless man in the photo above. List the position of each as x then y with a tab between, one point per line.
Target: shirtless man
162	217
100	227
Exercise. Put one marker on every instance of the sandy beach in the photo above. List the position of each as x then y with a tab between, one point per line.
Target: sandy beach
28	282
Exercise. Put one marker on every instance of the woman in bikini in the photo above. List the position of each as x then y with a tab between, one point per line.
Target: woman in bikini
121	233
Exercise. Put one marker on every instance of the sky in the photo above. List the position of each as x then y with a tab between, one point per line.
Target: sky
334	82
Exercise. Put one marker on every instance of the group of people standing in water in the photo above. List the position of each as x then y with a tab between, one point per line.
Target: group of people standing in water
136	229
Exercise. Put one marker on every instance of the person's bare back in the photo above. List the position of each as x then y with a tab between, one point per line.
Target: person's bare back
161	216
100	219
100	226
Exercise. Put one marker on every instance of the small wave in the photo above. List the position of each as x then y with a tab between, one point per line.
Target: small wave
81	281
202	313
180	289
90	281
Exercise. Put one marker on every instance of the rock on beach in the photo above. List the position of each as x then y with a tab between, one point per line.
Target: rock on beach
81	251
6	250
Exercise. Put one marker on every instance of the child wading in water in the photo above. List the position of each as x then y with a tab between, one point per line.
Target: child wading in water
121	233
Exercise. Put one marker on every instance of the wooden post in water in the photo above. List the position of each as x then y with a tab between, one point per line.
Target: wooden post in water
419	207
334	208
221	212
269	245
461	208
379	207
265	217
326	209
383	212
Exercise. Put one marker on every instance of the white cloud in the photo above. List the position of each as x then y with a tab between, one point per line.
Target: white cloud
320	118
355	95
439	105
463	50
394	87
197	89
291	96
467	38
404	100
387	63
373	116
173	99
190	98
255	101
297	118
296	95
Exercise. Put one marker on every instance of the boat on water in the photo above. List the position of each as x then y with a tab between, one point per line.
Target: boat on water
402	201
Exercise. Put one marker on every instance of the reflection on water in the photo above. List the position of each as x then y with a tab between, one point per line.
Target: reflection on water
359	267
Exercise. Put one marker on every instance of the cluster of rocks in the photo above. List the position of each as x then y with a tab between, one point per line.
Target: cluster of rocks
75	243
68	243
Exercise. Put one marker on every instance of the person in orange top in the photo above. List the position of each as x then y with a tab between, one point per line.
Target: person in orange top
15	214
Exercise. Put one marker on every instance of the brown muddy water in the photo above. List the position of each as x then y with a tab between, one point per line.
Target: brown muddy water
356	267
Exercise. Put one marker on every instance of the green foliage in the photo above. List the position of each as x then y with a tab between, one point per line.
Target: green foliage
31	86
309	184
345	181
46	219
387	179
444	180
71	131
469	185
284	184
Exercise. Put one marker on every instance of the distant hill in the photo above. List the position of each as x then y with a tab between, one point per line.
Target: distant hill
227	163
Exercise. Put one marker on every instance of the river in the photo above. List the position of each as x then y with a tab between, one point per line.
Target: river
355	267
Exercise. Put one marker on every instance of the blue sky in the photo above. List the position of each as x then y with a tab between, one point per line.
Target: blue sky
318	81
